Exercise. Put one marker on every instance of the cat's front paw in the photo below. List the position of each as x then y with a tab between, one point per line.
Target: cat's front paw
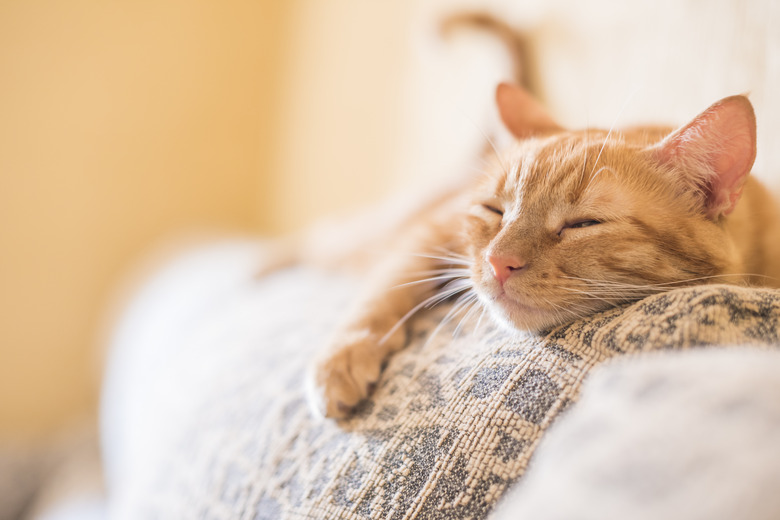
345	375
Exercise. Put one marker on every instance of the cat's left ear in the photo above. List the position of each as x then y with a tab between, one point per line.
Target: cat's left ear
523	115
715	152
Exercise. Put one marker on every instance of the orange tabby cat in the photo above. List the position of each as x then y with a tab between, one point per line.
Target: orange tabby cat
565	224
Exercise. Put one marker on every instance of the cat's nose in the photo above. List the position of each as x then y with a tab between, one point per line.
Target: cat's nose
504	265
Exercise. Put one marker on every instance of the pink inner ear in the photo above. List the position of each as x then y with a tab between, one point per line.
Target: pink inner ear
716	151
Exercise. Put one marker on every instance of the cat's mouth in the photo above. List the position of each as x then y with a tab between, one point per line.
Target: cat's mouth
518	313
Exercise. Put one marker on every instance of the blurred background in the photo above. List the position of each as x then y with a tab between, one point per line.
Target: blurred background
126	124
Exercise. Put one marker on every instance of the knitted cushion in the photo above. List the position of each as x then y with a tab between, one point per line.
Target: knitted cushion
204	413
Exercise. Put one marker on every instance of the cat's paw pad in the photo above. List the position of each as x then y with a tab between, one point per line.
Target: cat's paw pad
346	376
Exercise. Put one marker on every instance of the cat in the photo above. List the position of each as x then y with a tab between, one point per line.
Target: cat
561	225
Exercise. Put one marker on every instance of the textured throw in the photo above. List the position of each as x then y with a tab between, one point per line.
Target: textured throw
213	423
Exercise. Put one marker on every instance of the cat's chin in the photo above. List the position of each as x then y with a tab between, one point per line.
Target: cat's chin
514	315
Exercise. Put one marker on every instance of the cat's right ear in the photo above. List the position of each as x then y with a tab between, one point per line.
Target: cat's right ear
714	153
522	115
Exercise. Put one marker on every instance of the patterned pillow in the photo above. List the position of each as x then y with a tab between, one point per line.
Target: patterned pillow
204	415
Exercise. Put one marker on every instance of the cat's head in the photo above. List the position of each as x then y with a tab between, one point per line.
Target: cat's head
571	222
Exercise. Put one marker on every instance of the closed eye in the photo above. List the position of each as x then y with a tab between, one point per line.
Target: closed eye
582	224
579	224
493	209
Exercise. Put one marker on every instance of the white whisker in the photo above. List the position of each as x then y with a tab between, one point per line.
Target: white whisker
451	254
607	168
671	284
456	261
473	306
487	138
447	291
428	280
447	270
481	316
611	128
462	301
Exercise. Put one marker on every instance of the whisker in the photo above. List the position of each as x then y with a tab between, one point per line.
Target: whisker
473	306
444	270
430	279
617	299
451	291
450	254
665	284
487	138
579	308
596	175
556	311
479	170
585	162
495	152
611	128
427	303
481	316
618	291
463	300
609	299
456	261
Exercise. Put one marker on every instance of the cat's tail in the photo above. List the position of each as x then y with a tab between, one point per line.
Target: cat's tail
516	42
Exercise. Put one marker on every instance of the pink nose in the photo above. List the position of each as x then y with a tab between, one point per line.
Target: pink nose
504	266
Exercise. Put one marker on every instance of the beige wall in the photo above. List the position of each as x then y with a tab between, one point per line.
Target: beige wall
343	107
377	102
120	123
